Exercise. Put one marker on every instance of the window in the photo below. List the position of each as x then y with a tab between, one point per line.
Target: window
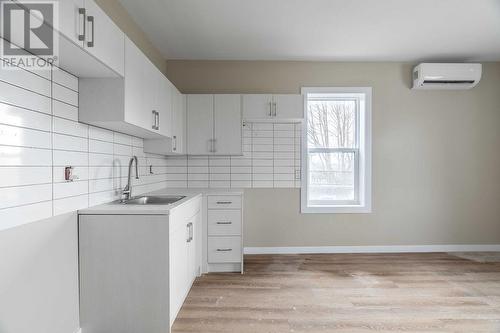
336	151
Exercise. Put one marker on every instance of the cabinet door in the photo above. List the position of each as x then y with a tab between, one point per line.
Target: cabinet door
194	249
178	271
257	106
200	118
178	122
104	39
164	97
71	22
288	106
227	111
136	112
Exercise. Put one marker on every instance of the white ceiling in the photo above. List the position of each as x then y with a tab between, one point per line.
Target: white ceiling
336	30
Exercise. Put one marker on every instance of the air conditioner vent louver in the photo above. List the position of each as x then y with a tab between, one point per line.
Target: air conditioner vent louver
446	76
449	81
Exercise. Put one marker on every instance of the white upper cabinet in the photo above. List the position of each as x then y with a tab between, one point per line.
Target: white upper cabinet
137	108
72	20
227	124
214	125
138	104
103	38
178	122
257	106
164	103
273	107
200	124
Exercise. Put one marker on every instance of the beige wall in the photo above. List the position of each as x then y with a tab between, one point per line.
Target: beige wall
125	22
436	156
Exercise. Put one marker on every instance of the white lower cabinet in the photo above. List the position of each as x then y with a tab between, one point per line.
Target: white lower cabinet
136	270
224	233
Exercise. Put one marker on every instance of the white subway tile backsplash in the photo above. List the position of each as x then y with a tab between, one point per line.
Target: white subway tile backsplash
40	135
68	127
241	184
70	204
265	169
65	79
64	110
241	176
24	137
64	94
197	169
97	146
102	134
21	156
20	176
123	139
79	172
70	158
24	98
13	217
26	80
220	176
16	116
119	149
262	176
70	189
238	169
23	195
73	143
269	161
197	176
101	160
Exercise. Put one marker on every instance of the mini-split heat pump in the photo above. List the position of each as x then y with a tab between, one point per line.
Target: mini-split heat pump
434	76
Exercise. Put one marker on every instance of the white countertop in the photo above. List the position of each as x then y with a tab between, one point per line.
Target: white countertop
121	209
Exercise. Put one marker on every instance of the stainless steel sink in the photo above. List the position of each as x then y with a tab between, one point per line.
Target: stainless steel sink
152	200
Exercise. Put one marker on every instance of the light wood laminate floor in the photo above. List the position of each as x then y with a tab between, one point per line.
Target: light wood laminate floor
435	292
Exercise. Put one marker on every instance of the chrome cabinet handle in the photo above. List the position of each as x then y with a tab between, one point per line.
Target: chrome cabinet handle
91	20
224	250
224	202
157	120
154	120
82	12
275	106
270	109
190	232
224	222
174	139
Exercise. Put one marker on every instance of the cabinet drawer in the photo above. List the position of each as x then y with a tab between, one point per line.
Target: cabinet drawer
224	222
224	202
224	249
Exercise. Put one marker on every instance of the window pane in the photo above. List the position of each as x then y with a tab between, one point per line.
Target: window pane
331	177
331	123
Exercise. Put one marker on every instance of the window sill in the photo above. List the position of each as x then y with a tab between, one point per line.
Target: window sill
343	209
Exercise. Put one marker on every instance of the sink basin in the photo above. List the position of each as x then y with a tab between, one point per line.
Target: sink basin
152	200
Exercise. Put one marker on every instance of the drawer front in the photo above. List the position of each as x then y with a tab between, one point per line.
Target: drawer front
224	249
224	222
224	202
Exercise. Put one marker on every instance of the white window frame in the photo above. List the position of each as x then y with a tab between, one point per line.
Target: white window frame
363	156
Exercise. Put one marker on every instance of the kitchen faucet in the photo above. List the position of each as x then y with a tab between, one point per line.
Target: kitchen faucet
127	191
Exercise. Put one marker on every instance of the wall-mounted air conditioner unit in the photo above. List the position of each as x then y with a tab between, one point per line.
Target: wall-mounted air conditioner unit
446	76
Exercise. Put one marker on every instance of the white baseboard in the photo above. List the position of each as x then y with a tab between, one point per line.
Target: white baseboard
373	249
78	330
